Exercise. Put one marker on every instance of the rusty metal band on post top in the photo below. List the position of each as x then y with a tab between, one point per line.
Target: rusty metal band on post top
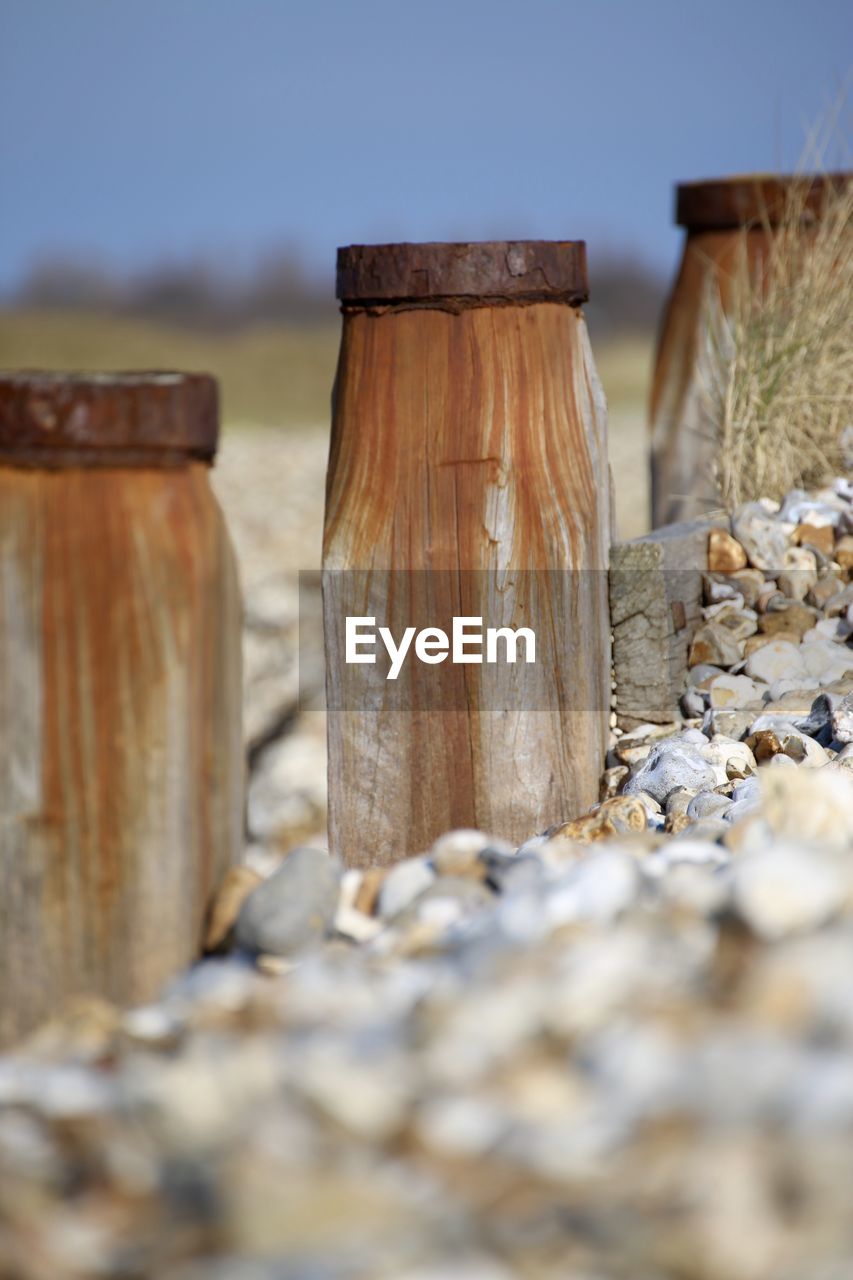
147	419
723	204
453	277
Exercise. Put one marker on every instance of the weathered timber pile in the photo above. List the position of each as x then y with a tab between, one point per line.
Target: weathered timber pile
623	1051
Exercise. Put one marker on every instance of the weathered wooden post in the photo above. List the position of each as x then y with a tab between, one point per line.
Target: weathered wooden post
723	219
121	771
468	477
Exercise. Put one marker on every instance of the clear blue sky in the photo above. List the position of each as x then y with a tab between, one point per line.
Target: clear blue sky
133	129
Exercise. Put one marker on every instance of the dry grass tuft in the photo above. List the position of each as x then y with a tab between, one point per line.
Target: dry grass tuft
779	360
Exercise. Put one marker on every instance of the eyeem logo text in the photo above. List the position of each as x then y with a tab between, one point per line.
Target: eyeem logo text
467	643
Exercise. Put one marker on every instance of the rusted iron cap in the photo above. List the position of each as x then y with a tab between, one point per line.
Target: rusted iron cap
508	271
107	419
725	203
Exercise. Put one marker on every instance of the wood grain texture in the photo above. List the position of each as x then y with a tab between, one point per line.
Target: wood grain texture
121	771
682	435
468	442
655	608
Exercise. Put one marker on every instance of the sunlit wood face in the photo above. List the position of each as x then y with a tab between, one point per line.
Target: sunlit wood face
466	443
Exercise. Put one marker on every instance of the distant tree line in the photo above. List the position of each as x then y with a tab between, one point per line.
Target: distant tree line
626	294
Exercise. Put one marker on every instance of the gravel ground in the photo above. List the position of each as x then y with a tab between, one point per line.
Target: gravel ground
622	1051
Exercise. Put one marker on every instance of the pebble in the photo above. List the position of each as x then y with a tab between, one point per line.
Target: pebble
403	884
701	674
776	660
611	780
725	553
727	722
813	806
799	574
292	909
458	853
842	720
790	618
825	661
732	691
749	582
634	747
618	814
820	537
772	735
671	767
480	1036
719	586
800	507
693	702
598	888
787	889
844	552
728	758
713	644
791	696
827	586
708	804
762	536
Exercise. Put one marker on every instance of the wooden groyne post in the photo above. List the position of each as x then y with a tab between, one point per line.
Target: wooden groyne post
121	763
468	476
729	225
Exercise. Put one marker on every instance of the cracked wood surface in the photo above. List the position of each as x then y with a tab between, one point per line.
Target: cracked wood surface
472	445
120	730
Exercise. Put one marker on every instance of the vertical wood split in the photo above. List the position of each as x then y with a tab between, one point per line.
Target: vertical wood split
468	473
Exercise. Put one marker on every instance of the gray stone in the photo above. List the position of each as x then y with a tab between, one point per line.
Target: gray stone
678	803
669	767
693	702
708	804
402	885
293	908
748	789
731	723
739	809
800	508
763	537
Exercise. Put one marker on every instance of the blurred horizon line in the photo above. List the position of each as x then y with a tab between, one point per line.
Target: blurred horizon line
278	284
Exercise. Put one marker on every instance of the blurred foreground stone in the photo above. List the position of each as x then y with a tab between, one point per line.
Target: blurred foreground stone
622	1051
